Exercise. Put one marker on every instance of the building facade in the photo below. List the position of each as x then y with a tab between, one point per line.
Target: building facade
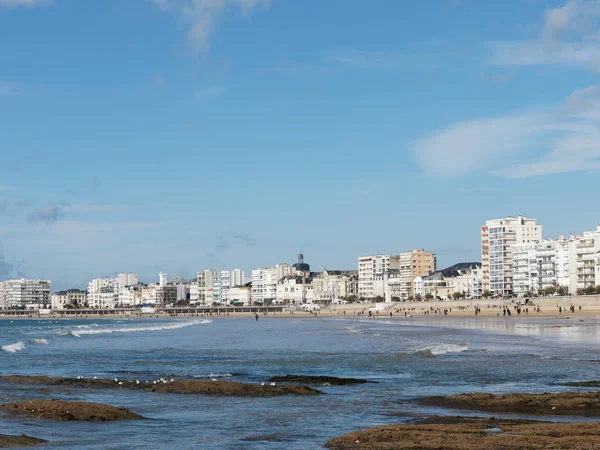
497	236
25	293
371	267
71	298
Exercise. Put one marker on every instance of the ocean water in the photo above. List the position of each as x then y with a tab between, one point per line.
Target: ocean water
471	355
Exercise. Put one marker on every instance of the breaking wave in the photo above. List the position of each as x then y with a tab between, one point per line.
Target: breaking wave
442	349
170	326
13	348
40	341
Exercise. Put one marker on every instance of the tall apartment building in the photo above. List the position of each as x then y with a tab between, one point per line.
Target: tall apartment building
103	293
417	263
588	259
127	279
264	281
24	293
370	267
497	236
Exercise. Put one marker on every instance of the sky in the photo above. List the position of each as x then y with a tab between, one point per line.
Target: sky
178	135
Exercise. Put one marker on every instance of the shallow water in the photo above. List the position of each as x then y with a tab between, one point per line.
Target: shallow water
471	355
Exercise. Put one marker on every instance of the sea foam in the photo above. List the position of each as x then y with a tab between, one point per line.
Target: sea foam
40	341
13	348
168	326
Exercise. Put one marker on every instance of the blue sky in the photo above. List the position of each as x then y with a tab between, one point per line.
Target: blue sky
178	135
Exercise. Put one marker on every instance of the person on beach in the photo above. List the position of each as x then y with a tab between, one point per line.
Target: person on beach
256	316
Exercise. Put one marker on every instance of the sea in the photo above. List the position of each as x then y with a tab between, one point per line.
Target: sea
403	359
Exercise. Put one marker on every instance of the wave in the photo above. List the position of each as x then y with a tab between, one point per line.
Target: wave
171	326
40	341
214	375
13	348
442	349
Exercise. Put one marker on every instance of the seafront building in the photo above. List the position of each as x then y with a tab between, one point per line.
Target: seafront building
25	293
71	298
331	285
497	236
462	278
588	259
392	276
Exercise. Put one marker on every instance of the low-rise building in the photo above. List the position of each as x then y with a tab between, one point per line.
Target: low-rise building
331	285
241	295
71	298
463	278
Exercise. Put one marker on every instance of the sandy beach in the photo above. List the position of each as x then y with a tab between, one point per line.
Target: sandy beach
548	307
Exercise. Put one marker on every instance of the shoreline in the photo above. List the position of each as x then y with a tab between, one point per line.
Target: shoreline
549	307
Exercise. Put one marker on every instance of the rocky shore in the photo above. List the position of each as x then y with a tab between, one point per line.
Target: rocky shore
565	403
320	380
225	388
472	434
69	411
19	441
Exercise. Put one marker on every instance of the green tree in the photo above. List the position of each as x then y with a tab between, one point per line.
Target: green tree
485	294
456	295
429	296
410	298
379	299
590	290
351	298
598	289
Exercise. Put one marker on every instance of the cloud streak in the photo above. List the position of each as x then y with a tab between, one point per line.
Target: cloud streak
568	138
568	37
200	17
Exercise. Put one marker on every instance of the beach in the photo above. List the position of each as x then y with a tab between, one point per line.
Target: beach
548	307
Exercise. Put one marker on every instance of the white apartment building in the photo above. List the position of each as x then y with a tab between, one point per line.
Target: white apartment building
230	278
25	293
127	279
241	294
103	293
294	289
264	281
371	266
497	236
588	259
131	295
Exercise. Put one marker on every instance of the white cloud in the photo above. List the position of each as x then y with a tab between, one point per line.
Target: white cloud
200	16
211	92
24	3
568	36
568	138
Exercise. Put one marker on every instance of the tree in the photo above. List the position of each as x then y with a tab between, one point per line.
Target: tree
562	290
485	294
457	295
351	298
379	299
590	290
410	298
598	289
429	296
